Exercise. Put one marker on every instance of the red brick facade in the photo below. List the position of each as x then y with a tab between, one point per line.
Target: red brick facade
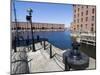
84	18
38	26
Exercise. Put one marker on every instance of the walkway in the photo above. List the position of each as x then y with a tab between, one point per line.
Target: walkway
40	61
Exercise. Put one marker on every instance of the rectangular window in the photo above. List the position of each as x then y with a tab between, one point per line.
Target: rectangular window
75	10
86	18
74	28
74	21
86	26
92	18
92	28
77	20
74	16
87	12
82	6
81	13
81	27
77	26
93	11
78	14
87	6
78	9
74	5
92	24
81	19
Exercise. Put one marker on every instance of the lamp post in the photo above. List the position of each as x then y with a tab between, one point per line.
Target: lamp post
29	18
16	33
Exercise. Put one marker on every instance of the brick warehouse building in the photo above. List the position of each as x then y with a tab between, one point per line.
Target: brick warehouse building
84	18
38	26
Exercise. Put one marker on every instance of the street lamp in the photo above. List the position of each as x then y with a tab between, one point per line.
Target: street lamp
29	18
29	10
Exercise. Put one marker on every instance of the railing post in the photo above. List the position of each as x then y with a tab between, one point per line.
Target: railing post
38	38
44	45
50	51
41	42
14	44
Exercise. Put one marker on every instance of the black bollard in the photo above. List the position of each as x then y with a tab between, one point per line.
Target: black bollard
38	38
44	46
75	59
41	42
14	44
50	51
27	42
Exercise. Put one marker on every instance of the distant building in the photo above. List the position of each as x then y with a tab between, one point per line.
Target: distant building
84	19
38	26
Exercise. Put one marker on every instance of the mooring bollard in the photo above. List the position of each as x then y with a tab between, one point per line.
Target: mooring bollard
75	59
50	51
